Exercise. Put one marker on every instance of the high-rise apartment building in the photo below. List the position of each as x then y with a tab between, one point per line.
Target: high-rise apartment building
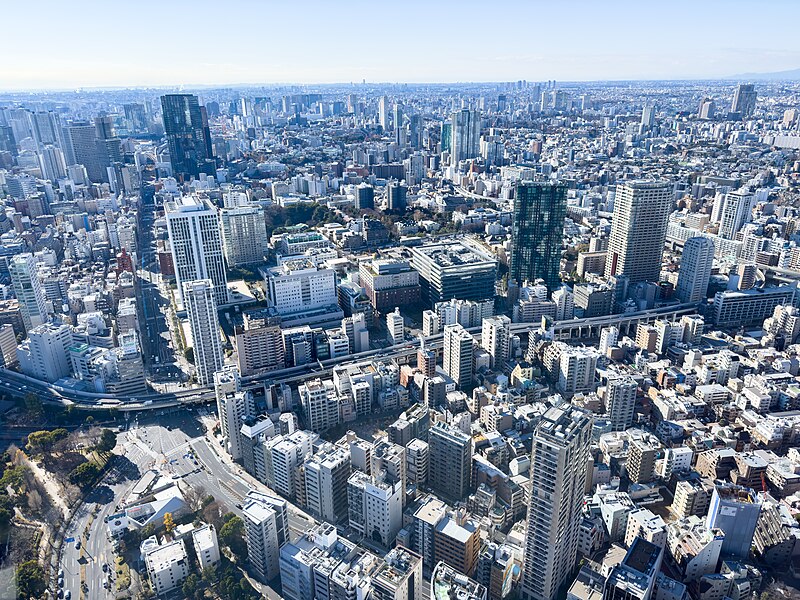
244	235
326	474
466	135
450	462
266	523
636	246
458	355
375	507
496	339
44	355
233	405
188	136
558	477
620	401
538	232
737	209
201	308
28	289
196	242
697	261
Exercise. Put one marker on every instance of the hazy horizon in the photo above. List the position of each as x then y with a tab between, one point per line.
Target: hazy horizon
245	42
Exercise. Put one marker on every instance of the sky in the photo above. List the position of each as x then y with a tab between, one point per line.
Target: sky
49	44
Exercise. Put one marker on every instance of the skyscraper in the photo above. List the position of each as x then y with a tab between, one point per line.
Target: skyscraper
383	112
450	456
538	231
466	135
188	135
196	242
737	209
696	262
81	148
744	99
636	246
648	115
558	477
28	289
458	357
198	298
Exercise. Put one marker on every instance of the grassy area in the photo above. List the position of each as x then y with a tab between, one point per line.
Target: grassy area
123	574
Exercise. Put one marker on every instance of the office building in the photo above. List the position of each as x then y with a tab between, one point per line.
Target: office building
81	147
326	474
458	354
644	524
201	309
167	566
558	471
196	243
697	261
52	163
734	308
496	340
244	235
635	577
737	209
638	230
188	136
447	582
28	289
620	401
399	576
375	507
266	523
389	283
538	232
466	135
459	269
735	510
744	100
450	462
298	286
383	113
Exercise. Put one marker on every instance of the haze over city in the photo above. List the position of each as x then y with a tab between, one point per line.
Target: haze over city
151	43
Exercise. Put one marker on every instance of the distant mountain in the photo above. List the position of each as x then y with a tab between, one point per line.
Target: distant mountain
791	75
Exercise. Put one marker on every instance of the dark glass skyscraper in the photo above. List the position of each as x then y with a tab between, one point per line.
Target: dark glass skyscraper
539	211
188	135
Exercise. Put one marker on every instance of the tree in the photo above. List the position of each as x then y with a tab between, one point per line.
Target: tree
33	403
84	475
107	441
232	535
190	585
30	580
169	523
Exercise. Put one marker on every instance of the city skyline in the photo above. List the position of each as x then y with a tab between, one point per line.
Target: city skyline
623	42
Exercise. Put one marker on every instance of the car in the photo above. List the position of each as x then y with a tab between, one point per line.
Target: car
78	545
60	581
67	595
105	584
61	573
239	505
105	567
